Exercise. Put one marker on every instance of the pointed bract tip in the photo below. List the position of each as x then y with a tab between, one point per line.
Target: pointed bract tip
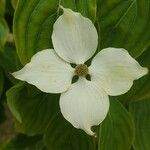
144	71
65	10
89	131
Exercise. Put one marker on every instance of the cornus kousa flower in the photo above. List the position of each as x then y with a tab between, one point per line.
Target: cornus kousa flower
112	71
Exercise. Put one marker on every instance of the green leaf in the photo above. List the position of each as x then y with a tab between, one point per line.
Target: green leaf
9	59
140	111
2	7
3	32
1	82
23	142
139	91
117	130
88	8
125	24
9	62
144	58
33	23
2	115
32	108
61	135
14	3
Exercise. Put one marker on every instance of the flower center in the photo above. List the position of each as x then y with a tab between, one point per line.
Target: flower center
81	70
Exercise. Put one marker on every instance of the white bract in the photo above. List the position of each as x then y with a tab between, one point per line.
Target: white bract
84	103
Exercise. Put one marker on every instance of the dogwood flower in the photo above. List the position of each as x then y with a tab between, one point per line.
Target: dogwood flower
112	71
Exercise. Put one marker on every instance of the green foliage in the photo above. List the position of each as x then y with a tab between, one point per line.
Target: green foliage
32	108
9	59
124	24
117	130
87	8
61	135
3	31
23	142
14	3
33	31
144	58
140	111
1	82
2	7
1	92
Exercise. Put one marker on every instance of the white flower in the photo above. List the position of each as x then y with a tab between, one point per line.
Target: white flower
84	103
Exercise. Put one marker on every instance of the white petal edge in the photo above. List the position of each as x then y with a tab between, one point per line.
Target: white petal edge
74	37
115	70
84	105
47	71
